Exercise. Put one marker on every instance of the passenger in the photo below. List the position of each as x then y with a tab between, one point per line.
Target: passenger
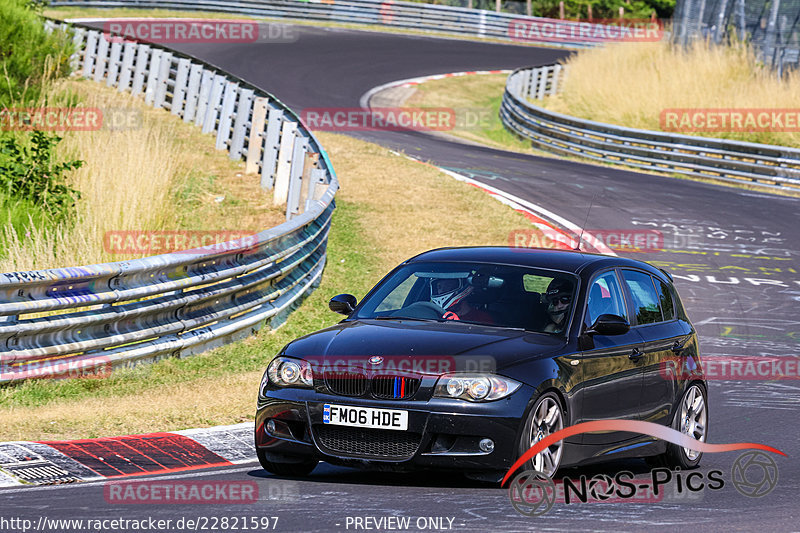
559	300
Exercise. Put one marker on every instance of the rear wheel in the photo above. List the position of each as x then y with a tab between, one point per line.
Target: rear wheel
545	418
691	418
298	468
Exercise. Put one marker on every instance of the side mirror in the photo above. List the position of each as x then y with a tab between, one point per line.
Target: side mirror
609	325
344	304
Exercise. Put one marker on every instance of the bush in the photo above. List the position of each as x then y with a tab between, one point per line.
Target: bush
28	171
29	55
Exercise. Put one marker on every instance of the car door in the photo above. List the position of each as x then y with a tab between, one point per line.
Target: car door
612	378
663	336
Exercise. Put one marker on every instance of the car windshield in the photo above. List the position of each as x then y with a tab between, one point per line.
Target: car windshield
497	295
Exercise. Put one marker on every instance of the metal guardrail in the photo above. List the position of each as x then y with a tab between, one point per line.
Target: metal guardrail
186	302
406	15
734	161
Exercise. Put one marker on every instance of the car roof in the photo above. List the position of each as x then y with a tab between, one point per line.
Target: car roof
575	261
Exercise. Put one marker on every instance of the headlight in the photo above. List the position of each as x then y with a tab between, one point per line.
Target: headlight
288	372
475	387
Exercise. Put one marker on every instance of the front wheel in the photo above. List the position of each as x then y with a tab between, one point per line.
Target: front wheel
300	468
691	419
545	418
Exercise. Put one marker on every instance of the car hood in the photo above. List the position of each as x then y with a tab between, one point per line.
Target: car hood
442	346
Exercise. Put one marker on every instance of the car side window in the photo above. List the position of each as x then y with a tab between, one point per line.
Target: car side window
605	298
665	297
645	300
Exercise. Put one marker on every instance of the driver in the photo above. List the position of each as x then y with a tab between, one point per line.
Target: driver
559	299
451	295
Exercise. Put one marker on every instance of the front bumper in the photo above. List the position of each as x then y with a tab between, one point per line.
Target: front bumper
442	433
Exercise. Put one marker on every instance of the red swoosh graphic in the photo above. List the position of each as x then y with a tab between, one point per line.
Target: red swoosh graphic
635	426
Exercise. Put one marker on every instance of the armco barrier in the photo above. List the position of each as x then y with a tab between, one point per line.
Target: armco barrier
181	303
762	164
405	15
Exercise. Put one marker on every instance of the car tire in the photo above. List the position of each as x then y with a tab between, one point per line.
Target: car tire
691	418
544	418
299	468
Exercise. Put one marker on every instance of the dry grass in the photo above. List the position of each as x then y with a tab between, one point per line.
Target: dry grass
410	207
631	83
476	101
389	209
160	175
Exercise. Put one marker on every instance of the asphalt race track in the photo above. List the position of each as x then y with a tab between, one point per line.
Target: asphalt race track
734	254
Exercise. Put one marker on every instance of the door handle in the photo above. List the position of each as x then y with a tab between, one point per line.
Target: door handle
679	346
635	354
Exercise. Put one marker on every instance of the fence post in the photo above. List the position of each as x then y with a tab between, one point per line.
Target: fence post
542	82
164	68
203	96
242	114
141	66
226	115
126	70
296	177
152	76
556	76
283	172
214	104
102	58
114	63
271	145
256	140
77	41
179	91
90	53
192	92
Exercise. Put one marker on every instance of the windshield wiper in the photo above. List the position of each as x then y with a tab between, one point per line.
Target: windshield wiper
403	318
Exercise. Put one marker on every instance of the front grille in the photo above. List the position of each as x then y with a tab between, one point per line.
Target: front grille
346	383
394	387
368	442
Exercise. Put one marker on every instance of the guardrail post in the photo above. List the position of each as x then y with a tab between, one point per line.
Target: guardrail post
78	41
243	109
309	165
179	91
152	76
269	163
556	77
202	97
90	53
126	70
534	84
283	173
164	70
226	115
542	82
256	140
192	92
296	177
102	58
317	178
114	63
214	104
142	56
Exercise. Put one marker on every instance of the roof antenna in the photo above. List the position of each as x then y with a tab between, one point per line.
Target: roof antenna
583	228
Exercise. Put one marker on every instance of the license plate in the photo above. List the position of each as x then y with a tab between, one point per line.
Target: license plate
365	417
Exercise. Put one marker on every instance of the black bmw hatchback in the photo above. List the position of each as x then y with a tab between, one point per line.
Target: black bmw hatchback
463	358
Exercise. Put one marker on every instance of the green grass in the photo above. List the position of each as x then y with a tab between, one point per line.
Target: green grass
20	215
